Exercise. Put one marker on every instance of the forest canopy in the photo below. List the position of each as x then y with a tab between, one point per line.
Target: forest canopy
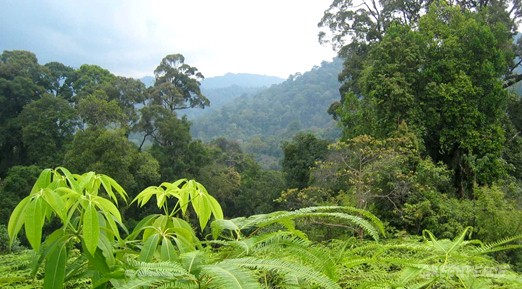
429	162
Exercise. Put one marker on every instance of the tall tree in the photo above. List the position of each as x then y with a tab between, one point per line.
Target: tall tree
300	155
48	125
58	78
20	83
443	76
353	27
176	87
177	84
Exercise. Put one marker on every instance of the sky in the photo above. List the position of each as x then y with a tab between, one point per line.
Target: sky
130	37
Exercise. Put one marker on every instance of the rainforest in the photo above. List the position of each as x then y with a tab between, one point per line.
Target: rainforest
398	164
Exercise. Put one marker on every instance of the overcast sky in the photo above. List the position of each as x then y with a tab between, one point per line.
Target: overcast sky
130	37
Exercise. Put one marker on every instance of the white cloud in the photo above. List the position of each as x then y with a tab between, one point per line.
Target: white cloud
273	37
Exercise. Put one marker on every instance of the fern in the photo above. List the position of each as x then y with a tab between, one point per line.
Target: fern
500	245
432	263
285	268
293	248
153	275
223	275
333	214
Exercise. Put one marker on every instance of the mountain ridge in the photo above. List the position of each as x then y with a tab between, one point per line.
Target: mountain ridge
230	79
261	122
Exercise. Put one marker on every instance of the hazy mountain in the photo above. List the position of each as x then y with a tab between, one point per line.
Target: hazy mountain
240	79
261	121
148	80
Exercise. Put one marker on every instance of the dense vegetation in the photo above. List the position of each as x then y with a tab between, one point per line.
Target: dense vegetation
429	163
224	90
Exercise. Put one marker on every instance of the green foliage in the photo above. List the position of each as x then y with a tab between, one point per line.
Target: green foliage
14	187
438	68
367	173
109	152
428	263
300	156
20	84
163	249
240	185
186	192
177	84
48	125
43	106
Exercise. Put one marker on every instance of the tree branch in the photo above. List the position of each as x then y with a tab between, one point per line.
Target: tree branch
511	80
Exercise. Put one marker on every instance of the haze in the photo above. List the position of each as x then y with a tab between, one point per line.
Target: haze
130	38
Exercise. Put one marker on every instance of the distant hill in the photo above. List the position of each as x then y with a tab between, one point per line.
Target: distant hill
262	121
241	80
148	80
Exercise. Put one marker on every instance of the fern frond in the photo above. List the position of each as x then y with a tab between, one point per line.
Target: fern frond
281	244
373	226
143	274
508	278
345	209
139	283
500	245
223	275
155	282
374	250
301	272
167	267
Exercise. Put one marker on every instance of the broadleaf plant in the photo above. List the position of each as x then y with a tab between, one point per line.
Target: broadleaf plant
77	201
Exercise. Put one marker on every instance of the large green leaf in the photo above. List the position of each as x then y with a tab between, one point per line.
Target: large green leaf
200	204
55	267
17	219
149	248
108	207
91	228
52	241
43	181
185	239
55	201
106	247
145	223
168	252
34	220
110	185
184	195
